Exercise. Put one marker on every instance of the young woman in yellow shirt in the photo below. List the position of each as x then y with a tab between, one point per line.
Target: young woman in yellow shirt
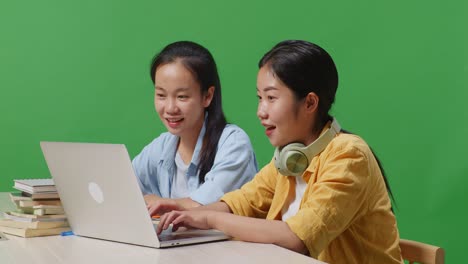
324	193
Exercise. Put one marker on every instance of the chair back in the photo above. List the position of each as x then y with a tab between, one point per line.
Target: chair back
417	252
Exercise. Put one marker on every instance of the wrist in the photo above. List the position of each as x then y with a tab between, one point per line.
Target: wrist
186	203
212	220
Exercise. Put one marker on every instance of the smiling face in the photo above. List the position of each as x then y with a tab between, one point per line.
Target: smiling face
179	101
286	119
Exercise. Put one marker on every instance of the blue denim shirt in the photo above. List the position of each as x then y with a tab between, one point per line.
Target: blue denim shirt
234	165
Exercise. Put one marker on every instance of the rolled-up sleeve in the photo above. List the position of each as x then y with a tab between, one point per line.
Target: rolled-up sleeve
254	199
233	166
333	201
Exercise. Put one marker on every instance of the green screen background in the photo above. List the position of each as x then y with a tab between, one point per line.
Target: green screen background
78	71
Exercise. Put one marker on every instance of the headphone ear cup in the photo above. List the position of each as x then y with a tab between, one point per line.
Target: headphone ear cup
293	159
296	162
290	160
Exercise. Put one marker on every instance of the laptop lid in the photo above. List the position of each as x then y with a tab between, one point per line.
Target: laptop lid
102	199
99	192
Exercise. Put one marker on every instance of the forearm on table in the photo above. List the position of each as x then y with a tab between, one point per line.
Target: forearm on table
187	203
216	206
190	204
257	230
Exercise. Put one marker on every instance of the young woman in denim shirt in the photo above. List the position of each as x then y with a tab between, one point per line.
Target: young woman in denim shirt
201	157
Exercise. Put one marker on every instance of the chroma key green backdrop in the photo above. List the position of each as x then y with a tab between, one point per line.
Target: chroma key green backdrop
78	71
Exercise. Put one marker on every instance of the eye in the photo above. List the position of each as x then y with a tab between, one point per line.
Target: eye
160	95
183	97
259	97
270	98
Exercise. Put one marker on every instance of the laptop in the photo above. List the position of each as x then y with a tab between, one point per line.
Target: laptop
102	199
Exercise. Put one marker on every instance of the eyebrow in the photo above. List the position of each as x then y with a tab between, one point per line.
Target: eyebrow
177	90
268	88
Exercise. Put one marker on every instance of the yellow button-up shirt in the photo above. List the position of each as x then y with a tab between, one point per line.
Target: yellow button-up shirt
345	213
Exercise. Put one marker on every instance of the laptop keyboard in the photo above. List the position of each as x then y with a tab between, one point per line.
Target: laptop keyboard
175	236
169	235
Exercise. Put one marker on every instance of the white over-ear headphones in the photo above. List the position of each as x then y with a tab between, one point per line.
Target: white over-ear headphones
293	159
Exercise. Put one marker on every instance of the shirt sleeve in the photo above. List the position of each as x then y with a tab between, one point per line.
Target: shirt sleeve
333	201
145	167
254	199
234	165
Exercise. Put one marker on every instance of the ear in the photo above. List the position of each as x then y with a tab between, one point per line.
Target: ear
208	96
311	102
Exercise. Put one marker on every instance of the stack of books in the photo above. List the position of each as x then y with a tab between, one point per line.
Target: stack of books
39	210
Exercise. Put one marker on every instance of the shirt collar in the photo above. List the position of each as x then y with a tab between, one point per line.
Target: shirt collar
196	151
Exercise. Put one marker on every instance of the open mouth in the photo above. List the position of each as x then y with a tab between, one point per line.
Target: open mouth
269	130
173	122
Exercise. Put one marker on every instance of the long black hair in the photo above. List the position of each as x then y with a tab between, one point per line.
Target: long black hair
199	61
305	67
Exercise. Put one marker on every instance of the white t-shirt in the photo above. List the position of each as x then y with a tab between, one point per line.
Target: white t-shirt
179	183
295	201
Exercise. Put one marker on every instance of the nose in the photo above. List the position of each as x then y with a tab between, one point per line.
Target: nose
172	107
261	111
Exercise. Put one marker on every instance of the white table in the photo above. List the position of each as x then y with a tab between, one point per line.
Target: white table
75	249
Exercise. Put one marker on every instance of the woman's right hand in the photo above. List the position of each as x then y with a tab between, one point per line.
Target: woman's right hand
159	206
151	198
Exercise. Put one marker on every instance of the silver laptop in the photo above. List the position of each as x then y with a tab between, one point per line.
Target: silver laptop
102	199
